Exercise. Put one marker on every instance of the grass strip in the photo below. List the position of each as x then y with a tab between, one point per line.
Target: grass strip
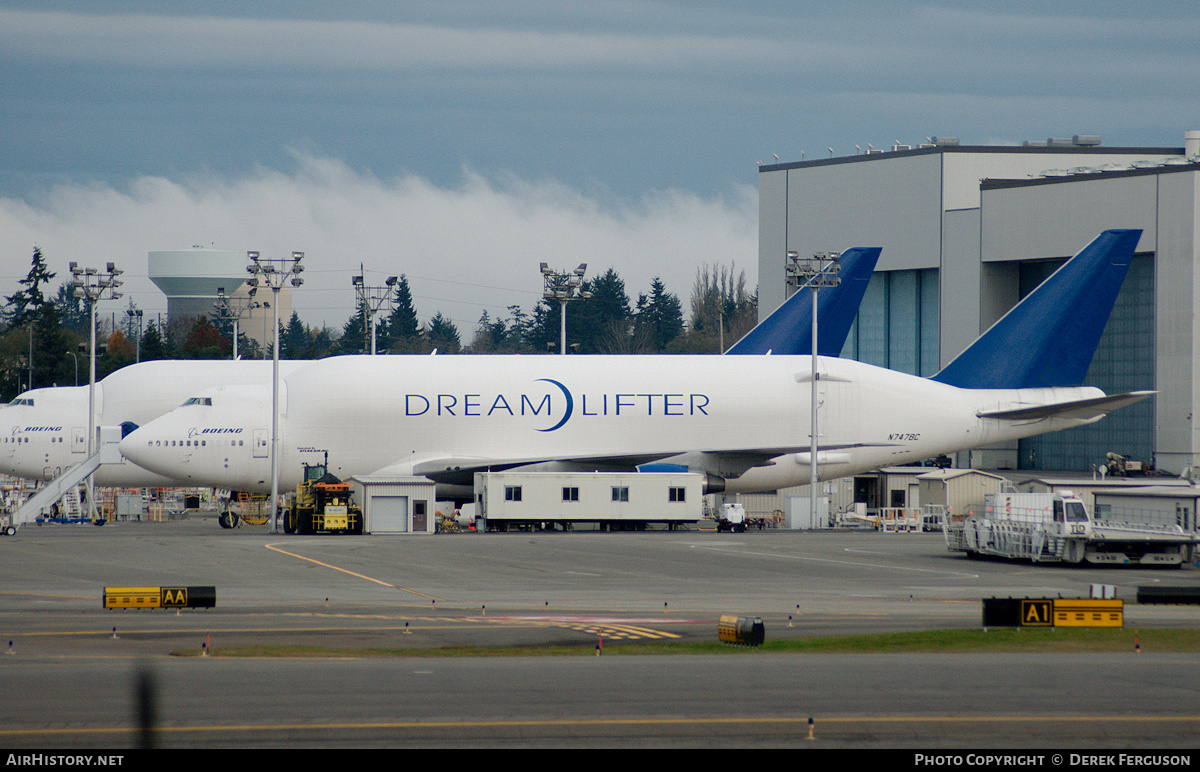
1052	640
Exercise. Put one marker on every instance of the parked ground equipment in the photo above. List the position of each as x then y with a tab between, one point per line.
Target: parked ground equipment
1056	527
322	504
732	518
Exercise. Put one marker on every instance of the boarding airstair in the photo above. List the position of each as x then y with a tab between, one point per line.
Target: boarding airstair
51	492
41	502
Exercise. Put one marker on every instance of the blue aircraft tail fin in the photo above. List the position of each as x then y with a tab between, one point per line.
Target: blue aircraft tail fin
788	330
1050	337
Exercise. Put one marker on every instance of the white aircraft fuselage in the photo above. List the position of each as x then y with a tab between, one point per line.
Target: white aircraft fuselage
744	419
44	431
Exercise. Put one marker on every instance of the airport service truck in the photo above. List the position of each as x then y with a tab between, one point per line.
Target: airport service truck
732	518
1056	527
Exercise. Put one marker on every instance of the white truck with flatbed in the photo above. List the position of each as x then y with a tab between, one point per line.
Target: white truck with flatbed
1056	527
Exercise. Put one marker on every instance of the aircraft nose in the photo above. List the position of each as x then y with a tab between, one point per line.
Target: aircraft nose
137	447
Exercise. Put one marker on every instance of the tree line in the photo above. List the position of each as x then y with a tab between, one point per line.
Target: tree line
44	335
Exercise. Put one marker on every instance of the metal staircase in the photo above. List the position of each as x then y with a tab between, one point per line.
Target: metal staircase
51	492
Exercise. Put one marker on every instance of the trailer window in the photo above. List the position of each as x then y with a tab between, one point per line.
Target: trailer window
570	494
678	494
512	492
620	493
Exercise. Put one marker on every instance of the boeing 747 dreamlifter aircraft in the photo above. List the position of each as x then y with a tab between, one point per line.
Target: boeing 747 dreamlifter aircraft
742	420
43	431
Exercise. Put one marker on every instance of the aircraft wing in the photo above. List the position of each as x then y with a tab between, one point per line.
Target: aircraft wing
1080	408
448	468
731	463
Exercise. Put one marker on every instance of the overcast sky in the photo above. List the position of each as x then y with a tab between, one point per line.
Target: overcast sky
462	143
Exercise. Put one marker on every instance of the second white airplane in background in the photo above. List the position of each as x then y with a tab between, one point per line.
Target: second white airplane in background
43	432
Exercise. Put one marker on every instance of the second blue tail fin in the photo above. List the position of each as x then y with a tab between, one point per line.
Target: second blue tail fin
788	330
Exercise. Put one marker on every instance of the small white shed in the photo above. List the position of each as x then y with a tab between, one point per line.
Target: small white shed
396	504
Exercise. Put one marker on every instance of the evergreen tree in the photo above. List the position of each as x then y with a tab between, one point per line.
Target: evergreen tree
401	331
72	311
293	339
154	345
516	337
51	363
659	317
14	363
354	338
24	305
543	328
35	320
488	334
443	335
601	324
320	343
500	336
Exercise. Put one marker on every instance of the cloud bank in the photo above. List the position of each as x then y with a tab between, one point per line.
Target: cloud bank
468	247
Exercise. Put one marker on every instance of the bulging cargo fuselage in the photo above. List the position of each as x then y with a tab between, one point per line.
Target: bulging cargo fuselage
744	419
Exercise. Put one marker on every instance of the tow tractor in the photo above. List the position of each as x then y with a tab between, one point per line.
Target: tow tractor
322	504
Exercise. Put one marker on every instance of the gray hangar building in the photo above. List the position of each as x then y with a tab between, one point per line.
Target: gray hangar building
967	231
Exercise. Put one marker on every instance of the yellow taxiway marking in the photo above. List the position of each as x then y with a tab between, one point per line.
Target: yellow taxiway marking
621	631
415	624
595	722
347	571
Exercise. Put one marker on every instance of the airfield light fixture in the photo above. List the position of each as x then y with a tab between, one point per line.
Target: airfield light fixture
274	272
372	299
93	286
563	287
821	270
228	309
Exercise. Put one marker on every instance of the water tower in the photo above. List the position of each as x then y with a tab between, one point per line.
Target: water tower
192	278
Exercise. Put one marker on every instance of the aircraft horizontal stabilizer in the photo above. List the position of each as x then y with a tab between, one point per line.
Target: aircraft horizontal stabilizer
1079	409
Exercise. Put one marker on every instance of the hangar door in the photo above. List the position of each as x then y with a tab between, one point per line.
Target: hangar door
389	514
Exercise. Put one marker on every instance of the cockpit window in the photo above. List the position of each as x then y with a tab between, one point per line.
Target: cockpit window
22	401
198	401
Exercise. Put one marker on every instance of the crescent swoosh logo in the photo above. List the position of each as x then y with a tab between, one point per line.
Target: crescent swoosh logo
570	404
